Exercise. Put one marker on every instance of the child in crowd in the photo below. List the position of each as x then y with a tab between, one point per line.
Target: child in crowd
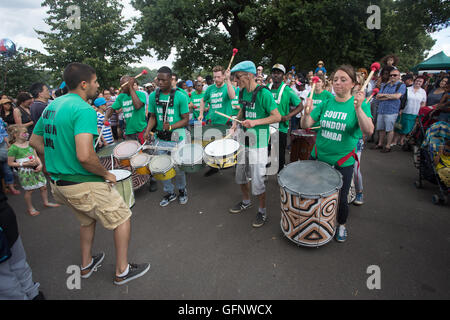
107	136
24	158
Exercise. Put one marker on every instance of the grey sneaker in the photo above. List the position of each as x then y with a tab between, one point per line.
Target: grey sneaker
167	199
261	218
182	196
238	208
135	271
86	273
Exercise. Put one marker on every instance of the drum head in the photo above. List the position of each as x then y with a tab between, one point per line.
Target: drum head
126	149
222	147
107	151
191	153
140	160
217	131
121	174
310	179
161	164
303	133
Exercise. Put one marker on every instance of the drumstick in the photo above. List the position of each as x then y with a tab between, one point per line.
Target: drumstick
314	80
232	57
374	67
226	116
315	127
374	93
144	72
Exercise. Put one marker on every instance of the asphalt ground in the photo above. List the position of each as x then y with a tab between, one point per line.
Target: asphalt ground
199	251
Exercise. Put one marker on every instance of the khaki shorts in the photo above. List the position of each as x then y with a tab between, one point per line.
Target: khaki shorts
93	201
252	167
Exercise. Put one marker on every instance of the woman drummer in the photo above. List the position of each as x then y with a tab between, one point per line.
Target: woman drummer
343	119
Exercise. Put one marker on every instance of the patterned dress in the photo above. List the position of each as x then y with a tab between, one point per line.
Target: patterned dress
29	180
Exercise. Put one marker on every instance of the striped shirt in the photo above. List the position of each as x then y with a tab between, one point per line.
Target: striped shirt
107	134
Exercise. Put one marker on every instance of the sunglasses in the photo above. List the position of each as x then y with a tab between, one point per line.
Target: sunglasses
394	75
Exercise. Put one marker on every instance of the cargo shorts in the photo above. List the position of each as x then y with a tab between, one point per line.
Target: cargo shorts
93	201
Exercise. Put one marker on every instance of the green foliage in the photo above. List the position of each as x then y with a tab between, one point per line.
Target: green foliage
101	41
20	71
293	32
134	71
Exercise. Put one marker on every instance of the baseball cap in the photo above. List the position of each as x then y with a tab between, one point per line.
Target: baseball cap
189	83
99	102
245	66
280	67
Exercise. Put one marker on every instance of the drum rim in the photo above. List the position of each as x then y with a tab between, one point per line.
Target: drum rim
309	134
128	176
163	171
127	156
237	144
177	159
149	157
112	146
315	195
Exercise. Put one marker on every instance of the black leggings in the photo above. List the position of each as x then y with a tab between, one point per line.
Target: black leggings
347	174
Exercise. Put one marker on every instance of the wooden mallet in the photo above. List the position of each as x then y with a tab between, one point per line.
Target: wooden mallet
314	81
374	67
374	93
144	72
232	57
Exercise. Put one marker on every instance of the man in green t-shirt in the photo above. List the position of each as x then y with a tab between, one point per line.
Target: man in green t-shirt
64	137
132	103
285	97
169	113
195	100
218	96
258	110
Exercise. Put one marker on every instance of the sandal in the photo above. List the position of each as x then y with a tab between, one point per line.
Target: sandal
385	150
376	147
33	212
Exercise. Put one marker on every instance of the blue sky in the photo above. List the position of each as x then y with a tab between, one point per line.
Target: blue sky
12	26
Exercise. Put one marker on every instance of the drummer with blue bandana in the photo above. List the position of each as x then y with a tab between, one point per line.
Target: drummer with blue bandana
169	113
258	109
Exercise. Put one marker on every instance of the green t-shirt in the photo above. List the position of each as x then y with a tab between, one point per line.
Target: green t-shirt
235	103
195	99
134	119
173	114
219	101
289	98
339	130
264	105
63	119
318	99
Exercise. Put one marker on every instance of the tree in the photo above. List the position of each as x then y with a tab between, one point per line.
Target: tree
293	32
20	71
100	39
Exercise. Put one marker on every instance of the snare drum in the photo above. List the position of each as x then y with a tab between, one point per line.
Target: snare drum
124	186
125	150
221	154
309	202
189	157
104	155
302	143
139	162
162	167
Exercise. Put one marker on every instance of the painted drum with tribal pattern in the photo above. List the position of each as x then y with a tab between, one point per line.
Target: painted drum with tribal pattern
309	202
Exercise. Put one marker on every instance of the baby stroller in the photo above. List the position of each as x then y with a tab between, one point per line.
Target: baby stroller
424	120
436	135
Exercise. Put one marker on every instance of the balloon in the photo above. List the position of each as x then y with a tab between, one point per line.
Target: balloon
7	48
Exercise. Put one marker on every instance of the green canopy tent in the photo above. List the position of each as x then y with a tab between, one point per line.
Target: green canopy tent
439	61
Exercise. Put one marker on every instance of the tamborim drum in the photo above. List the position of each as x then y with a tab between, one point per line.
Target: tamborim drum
302	143
161	167
309	202
139	162
189	157
221	154
104	155
125	150
124	186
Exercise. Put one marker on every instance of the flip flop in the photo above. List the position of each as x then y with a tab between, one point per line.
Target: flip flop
376	147
33	212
